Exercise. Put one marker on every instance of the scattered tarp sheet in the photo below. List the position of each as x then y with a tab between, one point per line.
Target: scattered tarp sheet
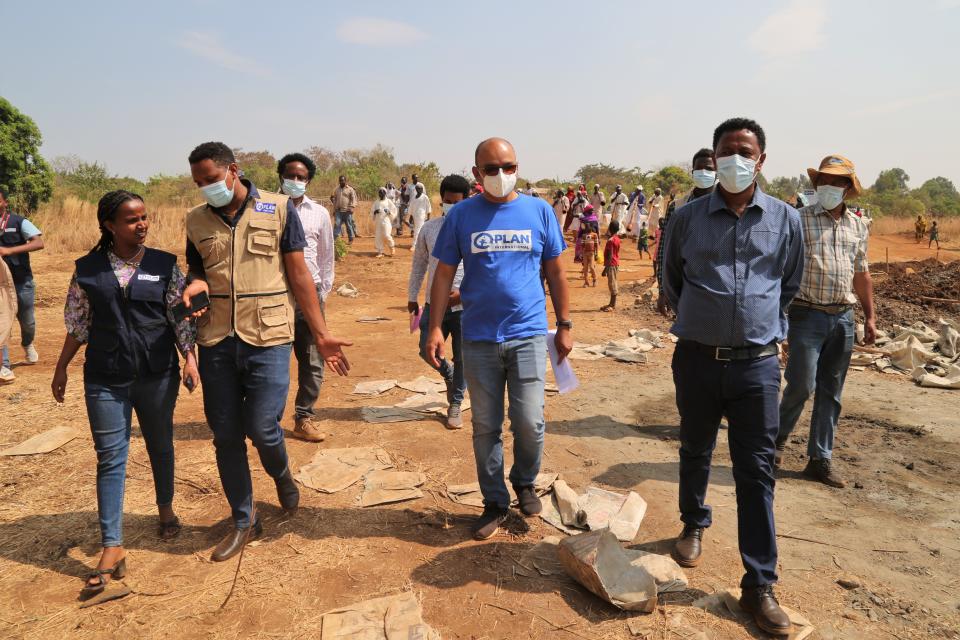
930	356
469	494
373	387
629	349
347	290
727	603
541	560
389	414
598	562
423	384
383	487
595	509
333	470
42	442
390	618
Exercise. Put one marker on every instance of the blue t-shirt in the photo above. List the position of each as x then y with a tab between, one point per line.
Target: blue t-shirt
502	246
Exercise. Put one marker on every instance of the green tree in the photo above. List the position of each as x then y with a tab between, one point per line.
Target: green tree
260	167
23	171
891	181
673	179
939	196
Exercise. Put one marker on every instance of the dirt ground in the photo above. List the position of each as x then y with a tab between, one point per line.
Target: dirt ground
895	529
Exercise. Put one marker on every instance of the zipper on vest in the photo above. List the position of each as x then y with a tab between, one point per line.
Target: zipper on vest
233	271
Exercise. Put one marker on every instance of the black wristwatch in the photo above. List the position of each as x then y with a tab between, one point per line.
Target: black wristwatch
567	324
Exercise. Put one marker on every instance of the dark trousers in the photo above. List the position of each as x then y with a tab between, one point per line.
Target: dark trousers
310	365
244	394
746	392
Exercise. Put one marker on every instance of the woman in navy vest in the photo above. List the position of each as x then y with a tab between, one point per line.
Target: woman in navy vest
119	303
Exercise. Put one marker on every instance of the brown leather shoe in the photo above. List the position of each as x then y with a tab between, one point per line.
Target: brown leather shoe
308	429
766	611
688	547
822	471
488	524
234	542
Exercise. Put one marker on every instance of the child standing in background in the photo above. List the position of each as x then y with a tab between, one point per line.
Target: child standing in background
643	240
589	243
611	264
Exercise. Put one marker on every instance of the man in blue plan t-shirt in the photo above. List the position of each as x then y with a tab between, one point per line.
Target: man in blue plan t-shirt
503	239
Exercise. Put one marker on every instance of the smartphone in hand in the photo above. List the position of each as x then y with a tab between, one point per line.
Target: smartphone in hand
198	302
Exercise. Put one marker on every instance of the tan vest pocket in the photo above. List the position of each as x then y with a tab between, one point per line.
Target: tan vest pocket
274	322
211	250
263	238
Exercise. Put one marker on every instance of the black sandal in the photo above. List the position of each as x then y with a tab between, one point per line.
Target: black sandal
118	571
170	529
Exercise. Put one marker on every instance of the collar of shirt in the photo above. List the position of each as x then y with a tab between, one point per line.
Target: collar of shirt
820	211
306	201
759	199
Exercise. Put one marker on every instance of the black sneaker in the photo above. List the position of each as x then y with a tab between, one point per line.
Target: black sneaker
287	492
530	504
488	524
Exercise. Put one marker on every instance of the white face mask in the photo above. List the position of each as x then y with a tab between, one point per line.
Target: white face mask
446	206
736	172
830	197
704	178
501	184
293	188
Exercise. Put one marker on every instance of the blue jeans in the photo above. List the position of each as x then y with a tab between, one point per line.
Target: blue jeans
28	325
244	394
109	409
820	348
344	218
452	373
520	366
747	393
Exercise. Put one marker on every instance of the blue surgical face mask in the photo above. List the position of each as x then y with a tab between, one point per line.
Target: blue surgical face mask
830	197
294	188
217	194
736	173
704	178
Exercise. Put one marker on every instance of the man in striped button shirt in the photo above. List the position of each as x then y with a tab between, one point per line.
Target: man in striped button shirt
821	330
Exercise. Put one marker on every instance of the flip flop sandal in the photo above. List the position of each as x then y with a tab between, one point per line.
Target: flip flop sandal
117	571
169	530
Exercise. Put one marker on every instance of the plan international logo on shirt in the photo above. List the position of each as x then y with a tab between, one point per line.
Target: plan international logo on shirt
265	207
501	240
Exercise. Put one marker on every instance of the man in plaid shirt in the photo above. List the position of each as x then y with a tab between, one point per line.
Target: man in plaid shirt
821	329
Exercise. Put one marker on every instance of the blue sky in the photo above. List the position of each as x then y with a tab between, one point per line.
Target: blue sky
136	85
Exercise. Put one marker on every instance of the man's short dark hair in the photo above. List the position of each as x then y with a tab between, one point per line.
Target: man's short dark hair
614	226
737	124
297	157
455	184
703	153
220	153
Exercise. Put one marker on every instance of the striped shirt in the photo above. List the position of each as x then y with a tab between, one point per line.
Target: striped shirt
834	250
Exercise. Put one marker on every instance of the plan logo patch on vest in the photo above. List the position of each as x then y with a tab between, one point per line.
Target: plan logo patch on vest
501	240
148	277
265	207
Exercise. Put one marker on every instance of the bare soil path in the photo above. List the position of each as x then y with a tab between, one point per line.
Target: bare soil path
898	532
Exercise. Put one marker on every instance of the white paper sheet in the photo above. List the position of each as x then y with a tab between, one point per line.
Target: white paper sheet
562	372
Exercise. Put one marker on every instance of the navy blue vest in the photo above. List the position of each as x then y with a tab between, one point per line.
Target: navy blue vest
130	335
12	236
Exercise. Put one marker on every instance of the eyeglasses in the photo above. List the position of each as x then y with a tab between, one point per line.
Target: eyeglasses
494	169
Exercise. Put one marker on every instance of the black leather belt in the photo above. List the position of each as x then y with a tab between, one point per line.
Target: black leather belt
826	308
725	354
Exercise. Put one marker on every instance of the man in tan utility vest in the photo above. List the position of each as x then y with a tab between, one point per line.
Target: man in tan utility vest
245	251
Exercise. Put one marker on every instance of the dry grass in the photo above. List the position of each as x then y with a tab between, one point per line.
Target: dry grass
70	225
892	225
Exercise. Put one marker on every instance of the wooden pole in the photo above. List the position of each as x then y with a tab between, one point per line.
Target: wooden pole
888	259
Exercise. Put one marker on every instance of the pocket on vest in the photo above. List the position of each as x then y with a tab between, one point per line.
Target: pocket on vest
211	250
274	322
102	350
263	238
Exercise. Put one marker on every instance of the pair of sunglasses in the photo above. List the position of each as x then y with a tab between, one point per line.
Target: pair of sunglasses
494	169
